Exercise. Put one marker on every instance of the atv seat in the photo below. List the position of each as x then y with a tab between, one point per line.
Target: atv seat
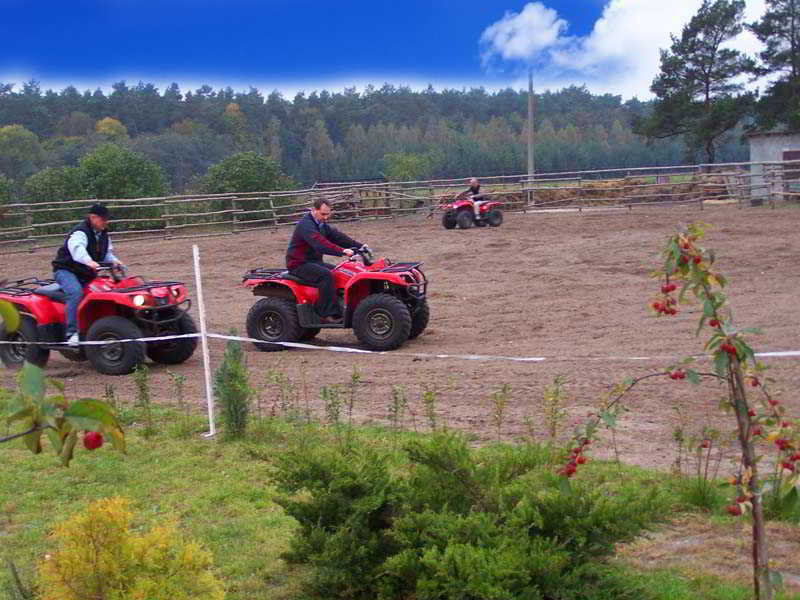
52	291
290	277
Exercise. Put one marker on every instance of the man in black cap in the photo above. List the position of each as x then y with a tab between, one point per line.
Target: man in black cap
85	247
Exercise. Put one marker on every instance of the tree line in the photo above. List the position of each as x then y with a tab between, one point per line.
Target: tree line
184	141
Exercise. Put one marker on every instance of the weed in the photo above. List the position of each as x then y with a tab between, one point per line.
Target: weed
555	399
141	377
500	400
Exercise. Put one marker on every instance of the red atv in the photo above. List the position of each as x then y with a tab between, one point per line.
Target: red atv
461	212
384	303
114	307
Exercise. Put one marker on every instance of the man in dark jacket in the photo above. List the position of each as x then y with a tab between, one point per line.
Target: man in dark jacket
474	193
85	246
312	238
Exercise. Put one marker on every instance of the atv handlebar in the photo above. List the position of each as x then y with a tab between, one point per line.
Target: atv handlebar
365	253
117	271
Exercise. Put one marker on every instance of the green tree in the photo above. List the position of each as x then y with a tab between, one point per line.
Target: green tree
406	166
697	96
111	171
54	184
245	172
20	152
76	123
6	186
779	31
318	153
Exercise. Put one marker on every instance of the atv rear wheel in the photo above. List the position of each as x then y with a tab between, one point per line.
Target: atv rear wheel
448	220
14	355
174	352
114	359
309	333
273	320
419	320
494	218
382	322
464	219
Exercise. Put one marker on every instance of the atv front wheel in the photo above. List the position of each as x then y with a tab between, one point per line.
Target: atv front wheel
494	218
174	352
273	320
464	219
448	220
382	322
419	320
114	359
14	355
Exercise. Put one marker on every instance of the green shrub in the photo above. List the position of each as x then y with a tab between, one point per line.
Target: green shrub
441	520
232	390
98	556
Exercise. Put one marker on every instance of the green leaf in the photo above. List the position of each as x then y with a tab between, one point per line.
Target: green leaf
55	440
692	376
721	363
22	413
31	381
91	414
9	315
708	308
68	448
34	441
790	501
564	487
609	419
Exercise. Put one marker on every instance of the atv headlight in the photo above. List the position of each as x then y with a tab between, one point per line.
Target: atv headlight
175	291
138	300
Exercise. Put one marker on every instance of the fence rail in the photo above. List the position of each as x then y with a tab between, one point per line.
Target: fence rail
26	227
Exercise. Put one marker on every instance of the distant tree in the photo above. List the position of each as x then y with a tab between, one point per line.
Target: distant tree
406	166
696	93
6	188
246	172
111	129
75	124
779	31
319	154
111	171
53	185
20	152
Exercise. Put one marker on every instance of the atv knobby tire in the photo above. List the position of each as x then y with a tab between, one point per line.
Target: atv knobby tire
464	219
448	220
382	322
174	352
14	355
115	359
494	218
419	320
273	320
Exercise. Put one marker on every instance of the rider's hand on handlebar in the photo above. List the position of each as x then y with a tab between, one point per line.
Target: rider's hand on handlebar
93	265
347	252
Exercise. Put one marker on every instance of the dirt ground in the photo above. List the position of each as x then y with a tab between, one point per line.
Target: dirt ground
570	287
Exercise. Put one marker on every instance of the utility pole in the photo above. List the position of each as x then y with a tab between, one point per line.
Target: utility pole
530	132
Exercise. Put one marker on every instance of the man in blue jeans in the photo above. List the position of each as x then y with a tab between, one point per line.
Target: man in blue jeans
77	259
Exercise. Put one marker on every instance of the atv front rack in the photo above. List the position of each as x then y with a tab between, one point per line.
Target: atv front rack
400	267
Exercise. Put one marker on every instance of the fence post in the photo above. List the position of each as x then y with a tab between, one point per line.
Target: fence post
233	215
29	224
165	216
274	216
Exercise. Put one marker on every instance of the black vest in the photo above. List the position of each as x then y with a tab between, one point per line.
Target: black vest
97	247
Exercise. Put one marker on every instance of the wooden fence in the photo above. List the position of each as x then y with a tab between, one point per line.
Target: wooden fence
26	227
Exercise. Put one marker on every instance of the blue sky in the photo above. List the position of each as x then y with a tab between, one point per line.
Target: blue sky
290	45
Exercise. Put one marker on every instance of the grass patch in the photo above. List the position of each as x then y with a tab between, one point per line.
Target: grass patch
223	496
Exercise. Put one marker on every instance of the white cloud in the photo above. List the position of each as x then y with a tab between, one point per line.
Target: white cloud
619	56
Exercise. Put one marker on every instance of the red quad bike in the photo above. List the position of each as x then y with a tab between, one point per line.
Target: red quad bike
384	303
114	307
461	212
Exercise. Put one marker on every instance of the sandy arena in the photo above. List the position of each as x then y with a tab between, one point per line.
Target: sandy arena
568	286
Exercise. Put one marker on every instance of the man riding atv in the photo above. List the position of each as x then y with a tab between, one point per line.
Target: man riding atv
311	239
77	260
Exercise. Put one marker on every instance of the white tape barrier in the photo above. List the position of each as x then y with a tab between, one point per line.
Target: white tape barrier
485	357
